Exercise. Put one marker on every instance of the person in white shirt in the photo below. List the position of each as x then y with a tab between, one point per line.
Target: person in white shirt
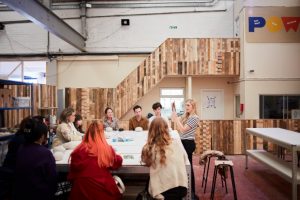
66	130
157	113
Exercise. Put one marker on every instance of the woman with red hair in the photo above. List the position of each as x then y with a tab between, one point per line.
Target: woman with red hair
90	167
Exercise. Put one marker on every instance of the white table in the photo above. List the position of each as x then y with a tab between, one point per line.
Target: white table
284	138
129	145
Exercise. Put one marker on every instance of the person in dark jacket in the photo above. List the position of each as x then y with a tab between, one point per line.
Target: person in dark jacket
8	168
35	170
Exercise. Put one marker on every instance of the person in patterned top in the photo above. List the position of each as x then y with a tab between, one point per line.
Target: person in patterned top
109	119
186	126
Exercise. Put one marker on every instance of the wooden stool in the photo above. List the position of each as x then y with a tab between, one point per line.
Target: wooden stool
223	165
207	155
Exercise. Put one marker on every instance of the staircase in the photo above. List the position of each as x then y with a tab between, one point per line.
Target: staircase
175	57
178	57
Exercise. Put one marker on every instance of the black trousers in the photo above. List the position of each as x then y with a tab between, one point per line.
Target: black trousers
175	193
190	146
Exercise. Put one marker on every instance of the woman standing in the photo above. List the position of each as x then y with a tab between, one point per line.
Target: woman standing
90	167
187	125
66	130
110	120
166	159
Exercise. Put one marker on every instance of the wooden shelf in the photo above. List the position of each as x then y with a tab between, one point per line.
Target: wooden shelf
9	82
283	168
47	108
15	108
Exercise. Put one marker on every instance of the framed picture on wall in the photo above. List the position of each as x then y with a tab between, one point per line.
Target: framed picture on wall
212	104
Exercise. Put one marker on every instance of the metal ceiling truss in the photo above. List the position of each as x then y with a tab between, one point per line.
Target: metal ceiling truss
42	16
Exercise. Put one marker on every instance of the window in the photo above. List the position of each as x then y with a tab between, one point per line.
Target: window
278	107
170	95
26	71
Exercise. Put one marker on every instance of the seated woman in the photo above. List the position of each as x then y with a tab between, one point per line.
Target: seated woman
66	131
109	119
9	164
166	158
17	141
78	123
35	172
90	167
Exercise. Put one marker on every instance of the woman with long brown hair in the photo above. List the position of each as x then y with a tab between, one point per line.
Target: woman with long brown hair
90	167
166	158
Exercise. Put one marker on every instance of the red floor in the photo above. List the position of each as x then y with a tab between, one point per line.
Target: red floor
257	182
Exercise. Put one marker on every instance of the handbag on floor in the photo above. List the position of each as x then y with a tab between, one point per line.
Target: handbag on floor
145	195
120	184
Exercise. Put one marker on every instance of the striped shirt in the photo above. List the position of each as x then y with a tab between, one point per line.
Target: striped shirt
192	122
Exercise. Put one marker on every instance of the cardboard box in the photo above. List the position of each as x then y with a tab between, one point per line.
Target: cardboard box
21	101
5	98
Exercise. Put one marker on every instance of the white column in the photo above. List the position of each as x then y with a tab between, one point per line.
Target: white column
51	72
189	87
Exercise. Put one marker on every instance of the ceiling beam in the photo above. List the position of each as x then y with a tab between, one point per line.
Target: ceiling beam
42	16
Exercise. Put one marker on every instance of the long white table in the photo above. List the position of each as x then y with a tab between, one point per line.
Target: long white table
283	138
129	145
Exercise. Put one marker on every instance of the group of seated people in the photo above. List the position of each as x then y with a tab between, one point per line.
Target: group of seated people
137	121
33	169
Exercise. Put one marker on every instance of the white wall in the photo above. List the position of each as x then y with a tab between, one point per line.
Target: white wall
197	84
95	71
216	83
275	65
272	60
148	29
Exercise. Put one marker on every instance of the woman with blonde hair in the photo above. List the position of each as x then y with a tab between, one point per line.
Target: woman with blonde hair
166	158
186	126
90	167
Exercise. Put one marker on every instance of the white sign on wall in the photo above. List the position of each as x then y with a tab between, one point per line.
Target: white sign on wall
212	104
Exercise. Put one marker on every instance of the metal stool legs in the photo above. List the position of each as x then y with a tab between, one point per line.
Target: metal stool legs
205	173
223	164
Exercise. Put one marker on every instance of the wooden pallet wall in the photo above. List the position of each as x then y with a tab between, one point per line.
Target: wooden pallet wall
174	57
43	96
47	95
14	117
90	102
178	57
228	135
205	56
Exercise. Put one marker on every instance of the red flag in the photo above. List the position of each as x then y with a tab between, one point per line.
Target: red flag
291	23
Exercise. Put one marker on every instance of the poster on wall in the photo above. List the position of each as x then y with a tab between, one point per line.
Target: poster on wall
272	24
212	104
